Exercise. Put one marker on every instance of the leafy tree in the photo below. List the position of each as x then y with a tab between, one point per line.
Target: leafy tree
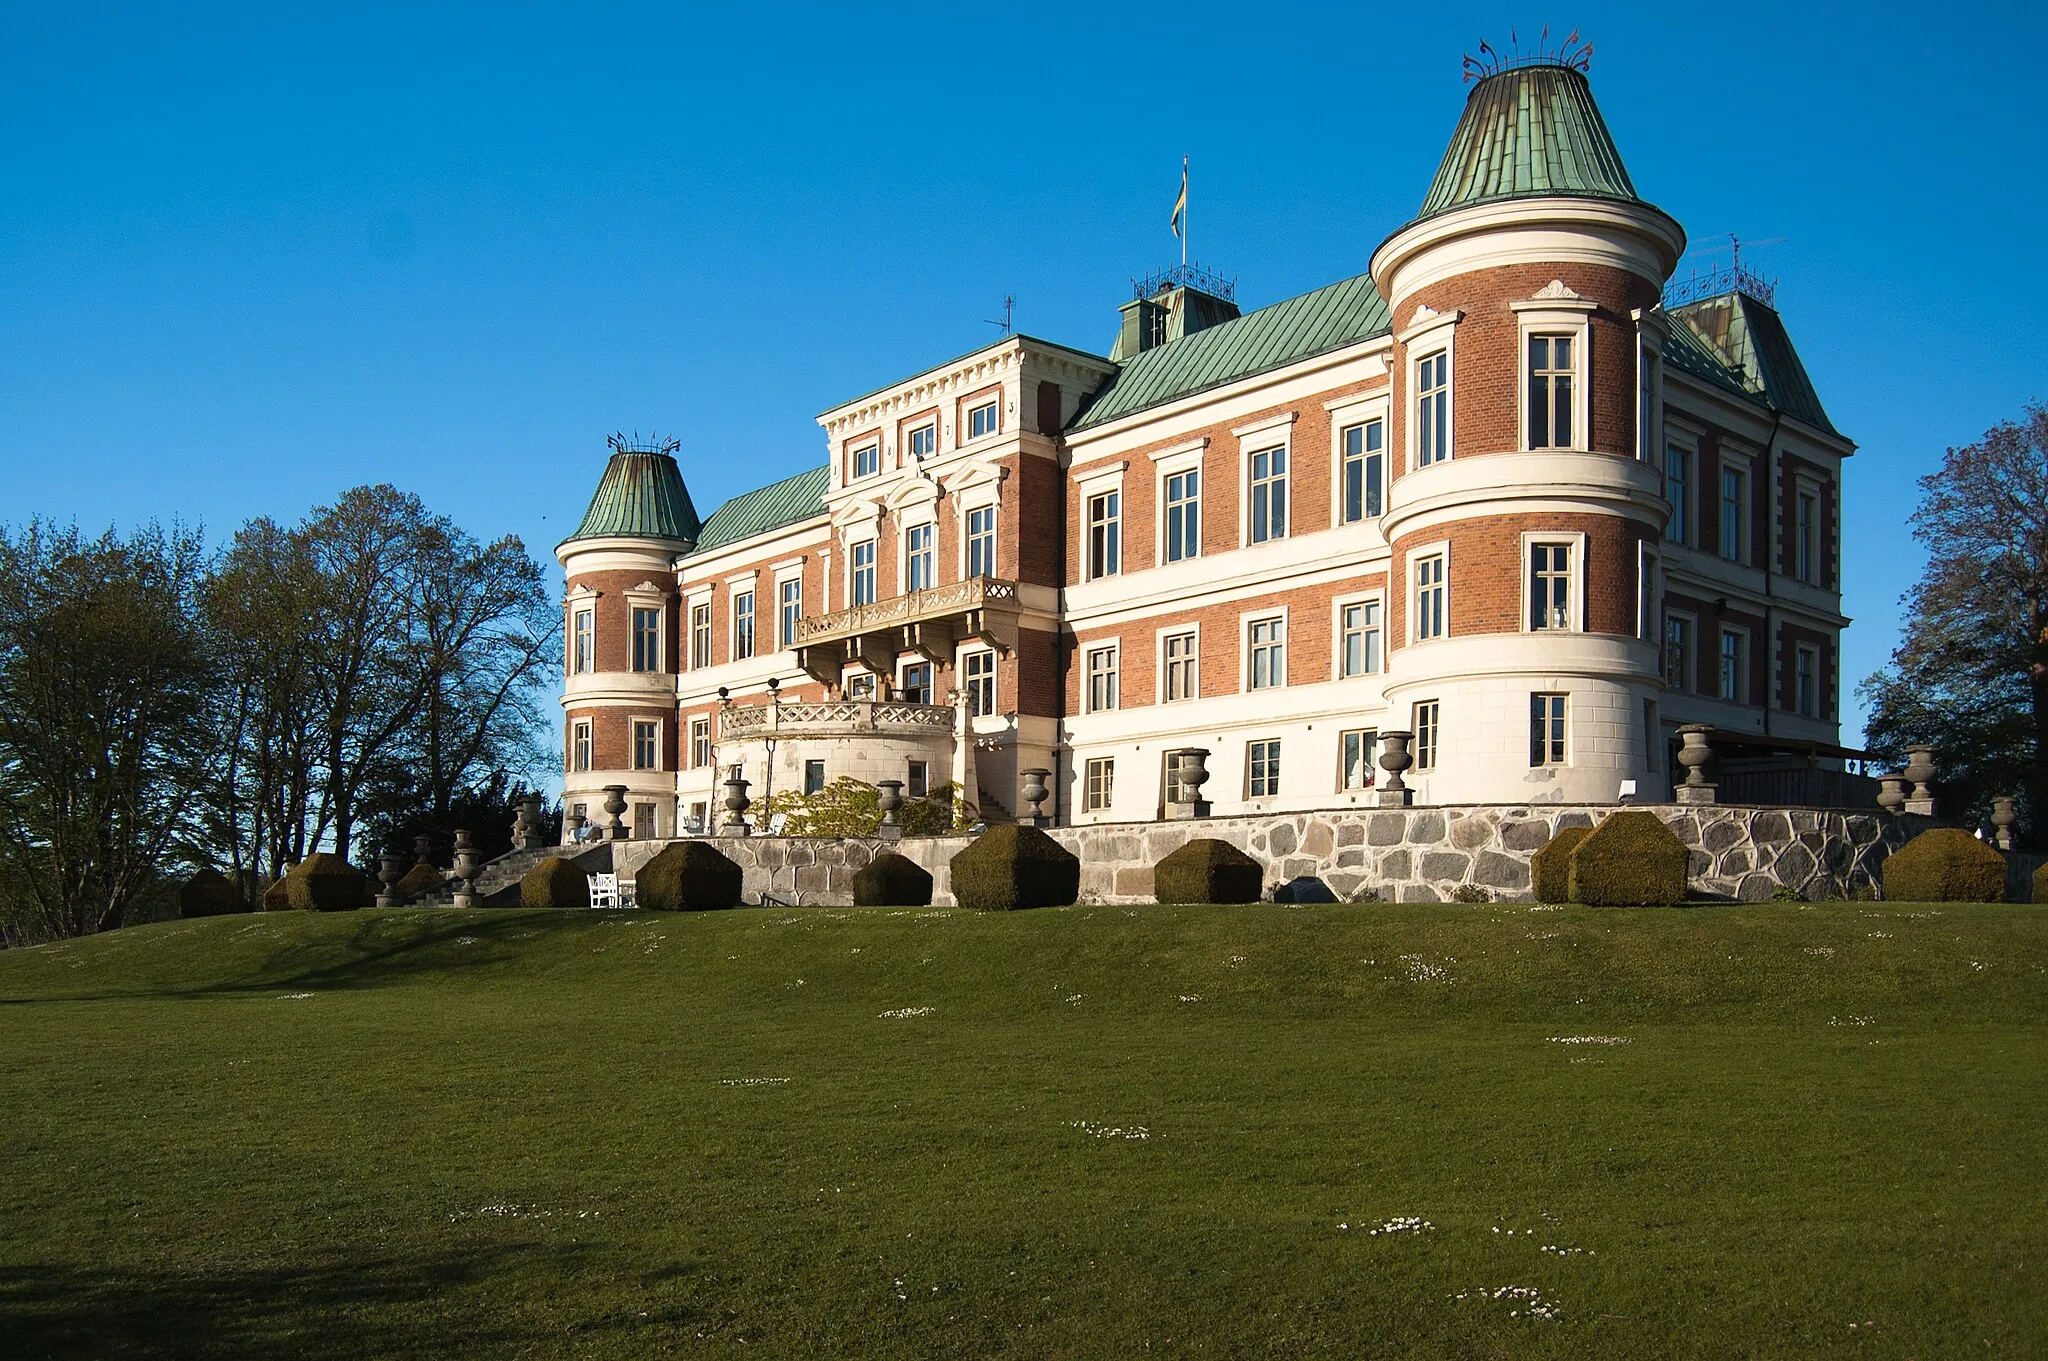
850	808
1971	671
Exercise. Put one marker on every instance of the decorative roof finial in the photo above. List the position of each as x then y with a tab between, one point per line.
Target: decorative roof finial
1570	53
637	444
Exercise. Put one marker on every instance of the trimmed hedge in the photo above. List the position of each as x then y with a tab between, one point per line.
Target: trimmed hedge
554	882
1011	866
1551	866
209	893
688	876
892	880
1206	870
2040	894
276	898
418	882
1630	860
323	882
1943	865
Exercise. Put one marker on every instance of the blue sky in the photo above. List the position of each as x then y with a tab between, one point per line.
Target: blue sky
251	255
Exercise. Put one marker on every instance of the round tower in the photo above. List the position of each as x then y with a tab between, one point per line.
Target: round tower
623	630
1524	511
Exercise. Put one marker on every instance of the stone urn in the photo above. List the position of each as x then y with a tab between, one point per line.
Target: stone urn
1034	792
1920	770
572	828
615	807
1395	758
423	850
736	805
890	796
526	826
1190	766
466	865
390	869
2002	819
1891	793
1693	754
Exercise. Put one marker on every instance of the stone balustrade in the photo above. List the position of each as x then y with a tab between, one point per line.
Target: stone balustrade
835	718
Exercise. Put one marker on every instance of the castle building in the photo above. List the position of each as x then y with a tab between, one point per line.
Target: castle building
1502	491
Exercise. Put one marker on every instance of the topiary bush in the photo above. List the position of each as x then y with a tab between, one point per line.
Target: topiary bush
554	882
2040	894
209	893
1206	870
892	880
1551	866
688	876
420	881
1943	865
1630	860
323	882
276	898
1011	866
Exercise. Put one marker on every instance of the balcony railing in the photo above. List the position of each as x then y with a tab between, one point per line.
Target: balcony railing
831	718
930	623
909	608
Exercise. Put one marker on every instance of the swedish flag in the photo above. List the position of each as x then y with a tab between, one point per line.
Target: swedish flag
1180	205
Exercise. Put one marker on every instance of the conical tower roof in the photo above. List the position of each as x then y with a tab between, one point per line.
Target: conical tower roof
642	496
1527	132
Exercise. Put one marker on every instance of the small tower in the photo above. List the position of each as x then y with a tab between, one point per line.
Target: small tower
623	632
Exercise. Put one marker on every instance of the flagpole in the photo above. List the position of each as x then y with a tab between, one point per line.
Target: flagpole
1184	214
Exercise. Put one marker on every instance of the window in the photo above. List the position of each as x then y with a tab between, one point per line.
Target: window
1269	495
867	460
1179	651
1546	730
1426	723
1358	650
917	683
743	625
1174	788
923	441
1805	526
700	743
860	686
1099	786
700	634
1429	598
1268	638
980	672
700	815
981	542
1433	409
1105	534
1678	652
585	647
1364	456
1102	677
1183	515
814	777
1262	768
1806	681
1734	512
862	583
1678	491
981	420
917	558
917	781
1550	392
646	751
646	640
1731	665
644	827
1357	749
1550	586
579	745
1646	404
790	601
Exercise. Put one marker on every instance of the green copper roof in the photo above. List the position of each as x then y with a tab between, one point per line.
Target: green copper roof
642	496
1528	132
772	507
1300	328
1748	339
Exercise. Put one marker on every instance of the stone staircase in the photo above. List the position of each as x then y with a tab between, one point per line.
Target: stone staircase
497	883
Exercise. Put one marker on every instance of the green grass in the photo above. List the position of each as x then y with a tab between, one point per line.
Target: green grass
542	1134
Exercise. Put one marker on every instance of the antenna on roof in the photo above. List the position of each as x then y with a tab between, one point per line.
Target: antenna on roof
1571	52
639	444
1009	311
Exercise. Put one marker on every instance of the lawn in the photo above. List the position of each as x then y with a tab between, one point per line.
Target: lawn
1415	1131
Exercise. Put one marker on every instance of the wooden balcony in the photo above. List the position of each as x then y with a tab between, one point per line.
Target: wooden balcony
930	623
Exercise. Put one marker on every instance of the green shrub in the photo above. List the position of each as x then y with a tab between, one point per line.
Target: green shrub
1470	893
1630	860
688	876
554	882
2040	894
209	893
276	898
1944	865
1551	866
892	880
852	808
419	882
1206	870
325	883
1785	893
1010	866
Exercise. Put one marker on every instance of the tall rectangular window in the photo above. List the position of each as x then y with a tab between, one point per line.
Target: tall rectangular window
1183	515
1429	598
1734	513
585	649
861	573
1267	639
646	745
1098	784
917	781
1646	404
981	420
1105	534
579	745
814	777
917	558
1546	730
1262	768
743	625
700	743
1806	682
981	542
1358	648
1179	649
867	460
1426	734
1363	472
1678	491
1678	652
1550	392
700	634
646	640
923	442
1269	495
1550	586
979	669
1357	750
1102	678
790	605
1732	676
1433	408
1806	528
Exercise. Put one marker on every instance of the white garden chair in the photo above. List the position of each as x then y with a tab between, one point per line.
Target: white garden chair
604	890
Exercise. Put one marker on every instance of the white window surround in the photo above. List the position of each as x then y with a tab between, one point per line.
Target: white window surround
1440	549
1688	682
1575	604
1349	411
1555	310
1429	333
1186	458
633	736
1245	620
1337	608
904	531
1159	658
1260	437
1114	671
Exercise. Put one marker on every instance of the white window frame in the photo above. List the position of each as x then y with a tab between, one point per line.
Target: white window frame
1194	661
1686	516
854	570
967	537
824	775
1375	599
1273	758
786	625
1735	463
1429	334
701	725
1345	412
928	427
1113	674
869	450
1369	742
583	640
1172	464
1556	745
971	660
1688	683
633	742
1246	647
1566	314
1575	586
707	633
635	610
993	405
930	554
1742	663
1427	755
1110	561
917	778
905	665
1098	784
582	747
1265	436
1415	559
751	620
857	681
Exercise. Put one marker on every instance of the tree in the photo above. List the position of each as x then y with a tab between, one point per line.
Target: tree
1970	673
105	686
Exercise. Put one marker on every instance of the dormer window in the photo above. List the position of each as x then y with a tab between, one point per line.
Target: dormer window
867	460
981	420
